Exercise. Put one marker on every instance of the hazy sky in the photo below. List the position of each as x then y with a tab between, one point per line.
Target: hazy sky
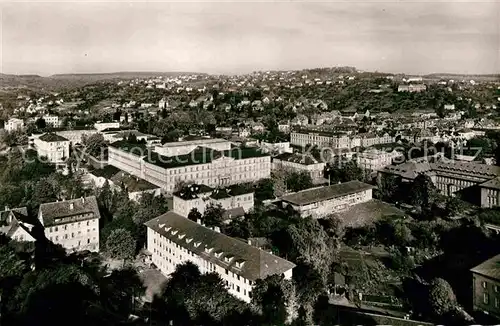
241	36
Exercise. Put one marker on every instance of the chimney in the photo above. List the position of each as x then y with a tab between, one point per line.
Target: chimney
83	200
217	229
71	206
198	221
6	207
249	242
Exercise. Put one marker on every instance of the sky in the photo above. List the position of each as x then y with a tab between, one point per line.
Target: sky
232	37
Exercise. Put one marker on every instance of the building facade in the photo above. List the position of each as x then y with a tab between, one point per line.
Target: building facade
453	177
201	196
320	202
299	162
186	147
13	124
173	239
52	120
74	224
321	139
374	159
204	166
16	224
52	146
486	287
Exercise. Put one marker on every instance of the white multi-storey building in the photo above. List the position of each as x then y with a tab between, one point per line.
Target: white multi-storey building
13	124
321	139
200	196
173	239
203	165
52	120
299	162
74	224
320	202
52	146
374	159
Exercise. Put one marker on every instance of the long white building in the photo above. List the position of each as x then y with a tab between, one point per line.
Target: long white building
320	202
374	159
173	239
186	147
202	165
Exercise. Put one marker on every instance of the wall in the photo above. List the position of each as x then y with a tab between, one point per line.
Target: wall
327	207
492	291
80	235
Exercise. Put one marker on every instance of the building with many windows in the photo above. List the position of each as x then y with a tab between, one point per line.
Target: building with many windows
202	165
300	162
186	147
74	224
13	124
320	139
232	199
323	201
486	287
52	146
454	177
173	239
374	159
52	120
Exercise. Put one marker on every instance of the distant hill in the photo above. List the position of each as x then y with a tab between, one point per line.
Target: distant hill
72	80
462	76
124	75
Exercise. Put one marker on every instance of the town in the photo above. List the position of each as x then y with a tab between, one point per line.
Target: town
250	163
303	203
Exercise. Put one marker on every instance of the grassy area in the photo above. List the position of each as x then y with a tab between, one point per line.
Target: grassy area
367	213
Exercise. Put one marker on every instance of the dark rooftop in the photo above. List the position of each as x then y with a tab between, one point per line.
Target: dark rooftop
132	183
257	264
297	158
489	268
106	172
137	149
192	191
311	196
201	155
51	137
68	208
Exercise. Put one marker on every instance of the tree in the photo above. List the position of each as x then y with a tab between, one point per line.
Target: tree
194	215
213	215
120	244
441	297
389	187
453	206
40	123
271	295
352	171
94	144
297	181
424	192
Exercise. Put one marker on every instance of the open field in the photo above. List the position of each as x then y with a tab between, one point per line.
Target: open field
367	213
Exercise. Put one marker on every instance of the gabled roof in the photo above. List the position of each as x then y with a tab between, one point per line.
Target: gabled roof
61	209
297	158
51	137
489	268
315	195
258	264
132	183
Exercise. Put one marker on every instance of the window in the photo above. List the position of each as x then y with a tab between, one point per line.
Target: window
486	298
227	272
496	288
237	288
497	303
88	240
483	284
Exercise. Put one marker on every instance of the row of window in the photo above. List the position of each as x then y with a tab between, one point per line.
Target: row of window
56	239
65	227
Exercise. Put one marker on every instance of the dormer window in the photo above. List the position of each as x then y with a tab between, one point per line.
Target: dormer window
209	249
240	263
161	225
174	232
181	235
188	240
197	244
168	228
228	258
218	253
